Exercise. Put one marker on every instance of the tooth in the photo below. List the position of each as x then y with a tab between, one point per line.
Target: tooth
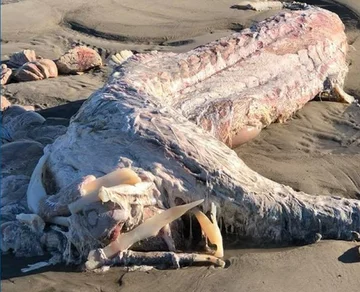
36	191
342	96
90	190
211	229
115	58
126	54
150	227
117	177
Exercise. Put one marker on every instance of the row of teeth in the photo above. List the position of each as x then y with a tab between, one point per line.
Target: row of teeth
119	58
127	183
126	178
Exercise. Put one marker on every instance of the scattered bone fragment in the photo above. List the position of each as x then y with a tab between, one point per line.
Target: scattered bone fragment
5	74
37	70
78	60
20	58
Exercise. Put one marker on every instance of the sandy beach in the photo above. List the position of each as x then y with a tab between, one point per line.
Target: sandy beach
318	151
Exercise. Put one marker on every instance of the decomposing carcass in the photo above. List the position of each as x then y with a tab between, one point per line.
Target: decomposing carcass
155	143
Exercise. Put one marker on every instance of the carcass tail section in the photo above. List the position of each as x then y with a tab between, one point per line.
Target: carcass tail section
249	79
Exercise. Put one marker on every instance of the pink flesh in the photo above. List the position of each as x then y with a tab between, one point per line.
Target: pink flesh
254	77
244	135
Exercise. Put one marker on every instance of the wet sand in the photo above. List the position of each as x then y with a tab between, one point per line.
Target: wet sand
316	152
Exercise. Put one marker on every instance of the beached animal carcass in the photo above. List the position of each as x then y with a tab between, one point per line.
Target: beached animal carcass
160	131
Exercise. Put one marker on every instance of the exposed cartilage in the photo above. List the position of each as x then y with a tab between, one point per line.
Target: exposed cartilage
165	259
150	227
90	191
126	195
211	229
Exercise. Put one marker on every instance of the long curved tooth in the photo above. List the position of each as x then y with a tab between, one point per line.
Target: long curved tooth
150	227
342	96
211	229
36	191
118	177
90	190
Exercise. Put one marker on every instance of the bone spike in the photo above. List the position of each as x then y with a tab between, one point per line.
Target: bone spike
149	228
90	190
36	191
211	229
